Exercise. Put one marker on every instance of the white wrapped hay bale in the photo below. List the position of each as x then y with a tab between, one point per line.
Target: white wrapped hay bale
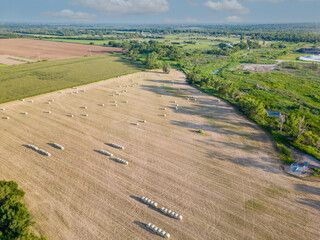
43	152
84	107
6	118
58	146
149	202
117	146
35	148
2	109
157	230
119	160
24	113
48	112
30	101
105	153
171	213
101	104
22	100
84	115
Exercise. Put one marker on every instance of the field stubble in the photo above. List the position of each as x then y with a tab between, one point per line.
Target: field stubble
227	183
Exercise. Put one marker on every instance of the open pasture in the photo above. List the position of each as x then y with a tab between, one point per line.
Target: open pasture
46	50
226	183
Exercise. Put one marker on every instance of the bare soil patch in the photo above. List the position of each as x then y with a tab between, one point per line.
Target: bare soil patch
226	183
46	50
258	68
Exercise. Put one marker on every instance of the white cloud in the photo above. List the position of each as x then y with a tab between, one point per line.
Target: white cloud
184	20
71	15
122	7
230	6
234	19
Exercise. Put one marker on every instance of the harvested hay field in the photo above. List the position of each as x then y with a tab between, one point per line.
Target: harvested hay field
12	60
47	50
227	183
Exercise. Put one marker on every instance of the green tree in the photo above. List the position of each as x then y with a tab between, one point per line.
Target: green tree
152	60
15	219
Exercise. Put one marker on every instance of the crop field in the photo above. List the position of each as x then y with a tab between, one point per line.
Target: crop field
226	180
25	80
46	50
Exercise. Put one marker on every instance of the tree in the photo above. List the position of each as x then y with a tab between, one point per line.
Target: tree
253	108
302	127
166	68
15	219
152	60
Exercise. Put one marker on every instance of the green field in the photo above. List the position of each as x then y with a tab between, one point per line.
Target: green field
30	79
96	42
292	56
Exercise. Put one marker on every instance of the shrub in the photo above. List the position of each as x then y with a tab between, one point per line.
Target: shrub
286	153
200	131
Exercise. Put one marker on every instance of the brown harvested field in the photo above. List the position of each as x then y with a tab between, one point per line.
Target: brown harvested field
226	183
46	50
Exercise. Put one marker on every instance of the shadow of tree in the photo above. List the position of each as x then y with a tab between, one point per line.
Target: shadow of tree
307	189
260	163
310	202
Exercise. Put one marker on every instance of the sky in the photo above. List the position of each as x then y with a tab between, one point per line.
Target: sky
159	11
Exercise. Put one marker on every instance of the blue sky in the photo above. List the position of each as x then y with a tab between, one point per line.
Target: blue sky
160	11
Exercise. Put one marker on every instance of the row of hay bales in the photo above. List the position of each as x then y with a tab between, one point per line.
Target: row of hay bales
117	146
119	160
171	213
41	151
158	231
58	146
103	152
149	202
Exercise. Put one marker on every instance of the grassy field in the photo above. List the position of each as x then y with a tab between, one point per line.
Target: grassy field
36	78
292	56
